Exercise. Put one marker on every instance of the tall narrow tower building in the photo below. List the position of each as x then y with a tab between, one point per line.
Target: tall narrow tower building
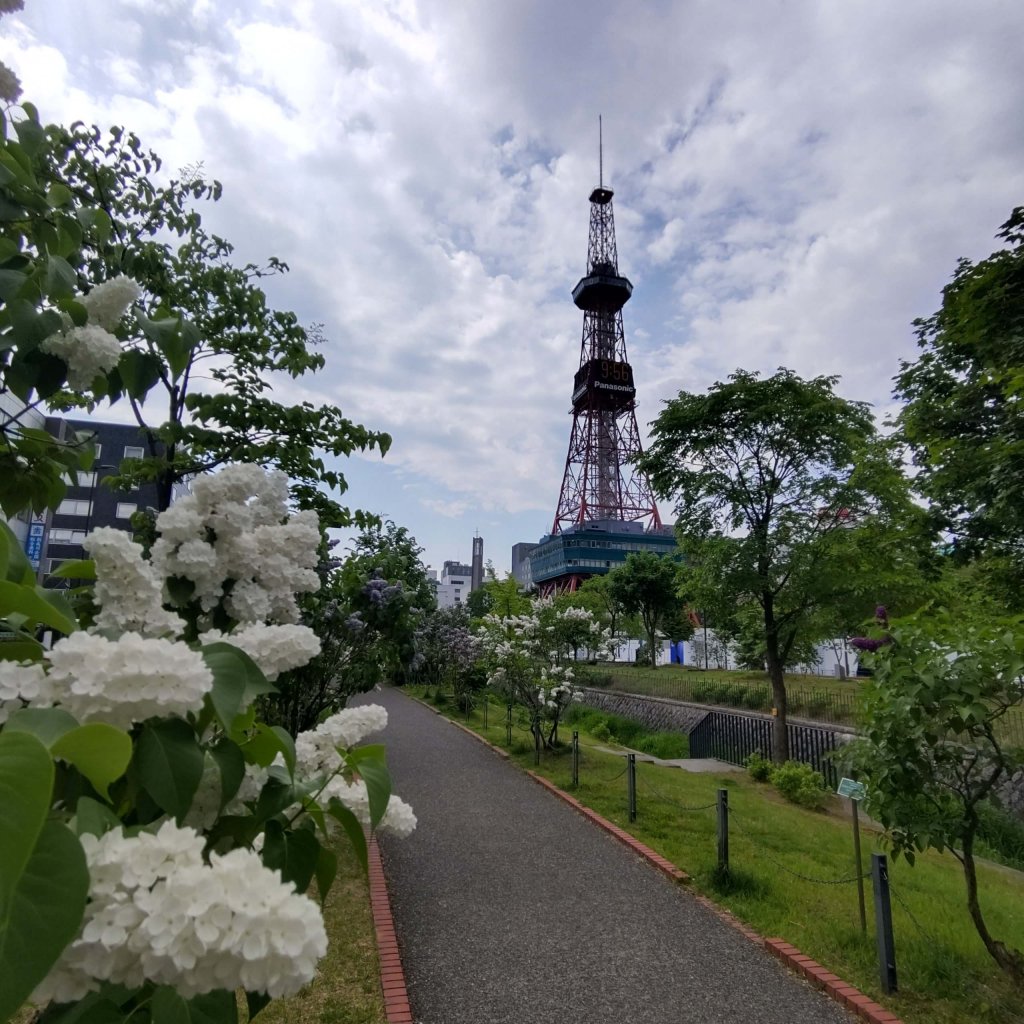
606	507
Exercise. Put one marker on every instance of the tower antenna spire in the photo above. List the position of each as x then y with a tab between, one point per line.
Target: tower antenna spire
600	152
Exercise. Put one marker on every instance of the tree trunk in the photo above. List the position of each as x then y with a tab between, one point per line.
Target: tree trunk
780	732
1010	960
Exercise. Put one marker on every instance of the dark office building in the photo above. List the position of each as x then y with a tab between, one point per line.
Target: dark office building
90	502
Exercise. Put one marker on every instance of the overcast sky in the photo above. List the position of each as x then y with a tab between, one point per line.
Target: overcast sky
794	182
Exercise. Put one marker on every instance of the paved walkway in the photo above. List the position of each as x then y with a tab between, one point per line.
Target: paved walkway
511	908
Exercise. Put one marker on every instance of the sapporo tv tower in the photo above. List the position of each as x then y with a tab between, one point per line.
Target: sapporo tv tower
606	507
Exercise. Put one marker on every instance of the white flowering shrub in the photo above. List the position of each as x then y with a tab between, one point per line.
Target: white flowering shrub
158	839
526	659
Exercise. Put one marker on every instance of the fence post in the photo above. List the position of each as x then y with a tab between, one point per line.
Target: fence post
575	759
508	725
883	923
723	830
631	785
536	743
487	704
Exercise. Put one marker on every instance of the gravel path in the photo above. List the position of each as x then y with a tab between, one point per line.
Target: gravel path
511	908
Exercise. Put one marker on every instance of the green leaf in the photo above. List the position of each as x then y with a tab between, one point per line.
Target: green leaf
326	872
214	1008
26	781
353	828
76	569
378	788
139	371
14	563
42	913
168	1007
94	818
60	277
36	605
237	681
231	764
273	799
293	853
31	135
266	743
25	649
367	752
58	195
169	762
11	283
101	752
46	724
30	326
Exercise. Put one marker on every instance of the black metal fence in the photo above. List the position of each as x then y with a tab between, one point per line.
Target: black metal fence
733	738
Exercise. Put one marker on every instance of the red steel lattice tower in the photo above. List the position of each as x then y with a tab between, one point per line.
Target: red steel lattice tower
600	482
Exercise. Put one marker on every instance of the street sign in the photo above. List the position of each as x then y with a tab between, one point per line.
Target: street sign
851	789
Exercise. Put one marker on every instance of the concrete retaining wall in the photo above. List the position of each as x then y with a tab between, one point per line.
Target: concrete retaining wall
655	713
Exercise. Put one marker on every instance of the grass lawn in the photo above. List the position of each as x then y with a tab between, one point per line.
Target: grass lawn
347	987
945	975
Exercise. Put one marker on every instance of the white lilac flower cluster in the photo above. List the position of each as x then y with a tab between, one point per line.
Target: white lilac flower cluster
21	685
126	680
92	349
234	540
128	589
275	649
317	753
114	681
158	913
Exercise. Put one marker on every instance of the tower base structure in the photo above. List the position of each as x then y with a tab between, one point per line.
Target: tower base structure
562	561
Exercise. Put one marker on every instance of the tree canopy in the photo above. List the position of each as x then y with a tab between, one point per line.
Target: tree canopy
205	340
647	585
785	498
963	416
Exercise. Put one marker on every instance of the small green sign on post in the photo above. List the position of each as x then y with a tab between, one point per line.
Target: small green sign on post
855	792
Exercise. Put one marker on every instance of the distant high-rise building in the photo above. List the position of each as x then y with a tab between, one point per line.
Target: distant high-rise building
477	575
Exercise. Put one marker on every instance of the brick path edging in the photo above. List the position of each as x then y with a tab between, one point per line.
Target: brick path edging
392	974
830	984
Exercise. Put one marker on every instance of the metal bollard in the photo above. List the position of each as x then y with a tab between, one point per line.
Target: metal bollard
883	923
631	785
487	704
536	744
508	726
575	759
723	830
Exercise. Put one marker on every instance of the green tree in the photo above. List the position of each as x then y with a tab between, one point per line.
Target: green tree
932	751
964	417
480	602
506	598
205	339
601	598
786	498
647	585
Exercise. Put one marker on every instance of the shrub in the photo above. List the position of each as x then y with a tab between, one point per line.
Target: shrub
755	698
736	695
759	768
601	732
799	783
